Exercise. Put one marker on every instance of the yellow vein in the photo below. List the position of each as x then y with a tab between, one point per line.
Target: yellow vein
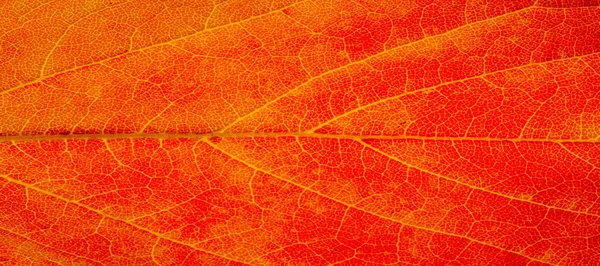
49	247
358	208
384	100
363	61
62	36
101	136
158	235
469	185
149	47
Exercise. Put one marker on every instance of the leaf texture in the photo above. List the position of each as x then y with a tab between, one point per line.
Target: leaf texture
308	132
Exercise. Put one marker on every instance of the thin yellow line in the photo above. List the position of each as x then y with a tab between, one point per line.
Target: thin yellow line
158	235
21	138
358	208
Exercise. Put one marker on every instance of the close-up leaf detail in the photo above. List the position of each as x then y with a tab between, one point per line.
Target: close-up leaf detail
300	132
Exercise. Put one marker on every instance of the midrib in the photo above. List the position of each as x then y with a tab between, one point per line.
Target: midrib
41	137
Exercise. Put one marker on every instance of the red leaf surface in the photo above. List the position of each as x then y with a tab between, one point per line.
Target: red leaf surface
300	132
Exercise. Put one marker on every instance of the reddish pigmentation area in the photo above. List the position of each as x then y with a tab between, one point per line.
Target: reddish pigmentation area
300	132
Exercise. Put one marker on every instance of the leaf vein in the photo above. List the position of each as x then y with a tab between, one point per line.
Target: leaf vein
358	208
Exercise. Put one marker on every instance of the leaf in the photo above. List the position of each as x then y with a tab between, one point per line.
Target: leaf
300	132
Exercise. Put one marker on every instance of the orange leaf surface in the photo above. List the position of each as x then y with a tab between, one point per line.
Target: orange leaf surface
300	132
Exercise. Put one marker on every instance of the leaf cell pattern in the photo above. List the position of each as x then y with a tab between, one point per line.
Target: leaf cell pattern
300	132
